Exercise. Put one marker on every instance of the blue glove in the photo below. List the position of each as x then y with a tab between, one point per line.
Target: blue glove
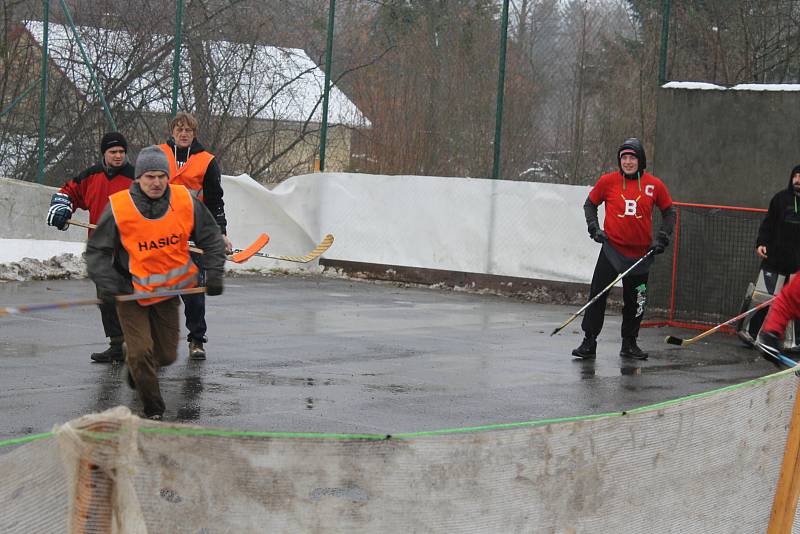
60	211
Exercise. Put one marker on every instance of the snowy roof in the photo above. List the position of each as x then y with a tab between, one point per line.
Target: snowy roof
267	82
739	87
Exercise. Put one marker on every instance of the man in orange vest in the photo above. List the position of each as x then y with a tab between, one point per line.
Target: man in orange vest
194	167
141	245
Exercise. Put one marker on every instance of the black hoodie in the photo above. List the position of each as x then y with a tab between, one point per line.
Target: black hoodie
780	231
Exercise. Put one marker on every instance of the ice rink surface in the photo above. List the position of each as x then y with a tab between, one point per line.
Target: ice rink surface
315	353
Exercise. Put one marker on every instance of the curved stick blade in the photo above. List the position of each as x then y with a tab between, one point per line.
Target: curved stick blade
243	255
672	340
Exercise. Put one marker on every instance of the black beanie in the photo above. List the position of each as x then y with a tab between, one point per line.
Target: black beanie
112	139
794	171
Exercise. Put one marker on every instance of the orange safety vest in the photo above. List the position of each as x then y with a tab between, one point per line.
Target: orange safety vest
193	171
158	249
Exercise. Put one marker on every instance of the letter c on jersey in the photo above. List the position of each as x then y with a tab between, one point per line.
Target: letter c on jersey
649	189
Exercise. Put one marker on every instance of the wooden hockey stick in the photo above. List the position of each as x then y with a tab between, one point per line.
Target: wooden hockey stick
672	340
239	256
16	310
594	299
324	245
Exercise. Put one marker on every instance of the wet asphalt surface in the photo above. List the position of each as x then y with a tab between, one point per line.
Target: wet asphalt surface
318	354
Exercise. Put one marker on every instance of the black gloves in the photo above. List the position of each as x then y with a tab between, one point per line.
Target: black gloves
596	233
661	242
214	287
60	211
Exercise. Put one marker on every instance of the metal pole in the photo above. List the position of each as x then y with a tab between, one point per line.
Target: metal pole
43	94
176	60
662	61
323	139
88	64
501	88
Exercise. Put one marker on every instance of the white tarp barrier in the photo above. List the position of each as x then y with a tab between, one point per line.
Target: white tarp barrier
521	229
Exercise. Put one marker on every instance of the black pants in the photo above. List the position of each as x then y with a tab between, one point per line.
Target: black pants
634	296
194	306
108	313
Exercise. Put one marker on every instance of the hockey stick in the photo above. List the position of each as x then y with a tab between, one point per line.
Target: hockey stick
608	287
239	256
672	340
774	356
16	310
324	245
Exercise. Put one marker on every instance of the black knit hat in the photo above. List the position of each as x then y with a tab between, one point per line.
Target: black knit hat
112	139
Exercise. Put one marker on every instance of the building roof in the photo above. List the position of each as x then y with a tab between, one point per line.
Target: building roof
252	80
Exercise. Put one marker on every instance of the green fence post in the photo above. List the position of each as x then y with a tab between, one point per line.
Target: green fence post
501	88
176	60
323	138
43	95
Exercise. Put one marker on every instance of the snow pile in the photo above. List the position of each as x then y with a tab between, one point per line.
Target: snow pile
58	267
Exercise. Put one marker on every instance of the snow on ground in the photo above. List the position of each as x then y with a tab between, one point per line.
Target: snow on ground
35	259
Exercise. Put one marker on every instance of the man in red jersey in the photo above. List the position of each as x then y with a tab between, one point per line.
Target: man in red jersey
90	191
629	196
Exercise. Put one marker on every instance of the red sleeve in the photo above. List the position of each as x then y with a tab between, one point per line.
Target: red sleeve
598	192
75	193
663	199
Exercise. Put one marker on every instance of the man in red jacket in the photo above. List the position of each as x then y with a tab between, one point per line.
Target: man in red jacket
629	194
90	191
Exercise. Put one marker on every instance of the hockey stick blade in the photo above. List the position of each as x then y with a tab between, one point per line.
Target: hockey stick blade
672	340
774	356
324	245
241	256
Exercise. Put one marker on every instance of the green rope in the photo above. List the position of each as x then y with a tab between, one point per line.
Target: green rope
167	431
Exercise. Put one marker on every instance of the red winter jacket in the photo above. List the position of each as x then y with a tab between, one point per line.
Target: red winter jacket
91	188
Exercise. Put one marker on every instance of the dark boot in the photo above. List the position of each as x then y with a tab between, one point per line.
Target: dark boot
196	350
631	350
114	353
587	349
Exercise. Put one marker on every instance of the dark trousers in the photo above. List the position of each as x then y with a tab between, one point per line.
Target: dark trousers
151	333
111	326
634	296
194	306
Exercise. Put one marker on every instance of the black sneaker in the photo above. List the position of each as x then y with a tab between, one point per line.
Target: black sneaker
196	350
631	350
587	349
114	353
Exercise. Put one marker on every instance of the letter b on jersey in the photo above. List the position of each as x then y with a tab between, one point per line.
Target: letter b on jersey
630	207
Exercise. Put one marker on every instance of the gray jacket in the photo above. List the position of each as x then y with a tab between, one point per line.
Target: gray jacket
107	260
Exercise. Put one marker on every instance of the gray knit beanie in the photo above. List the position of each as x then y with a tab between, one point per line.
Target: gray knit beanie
151	158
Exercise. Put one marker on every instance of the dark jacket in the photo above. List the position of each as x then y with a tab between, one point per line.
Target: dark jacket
107	260
212	182
780	232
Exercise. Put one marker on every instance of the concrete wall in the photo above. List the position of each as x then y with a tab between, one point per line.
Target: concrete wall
726	146
23	213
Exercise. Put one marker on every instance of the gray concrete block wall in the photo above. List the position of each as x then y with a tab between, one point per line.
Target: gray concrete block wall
731	147
23	213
